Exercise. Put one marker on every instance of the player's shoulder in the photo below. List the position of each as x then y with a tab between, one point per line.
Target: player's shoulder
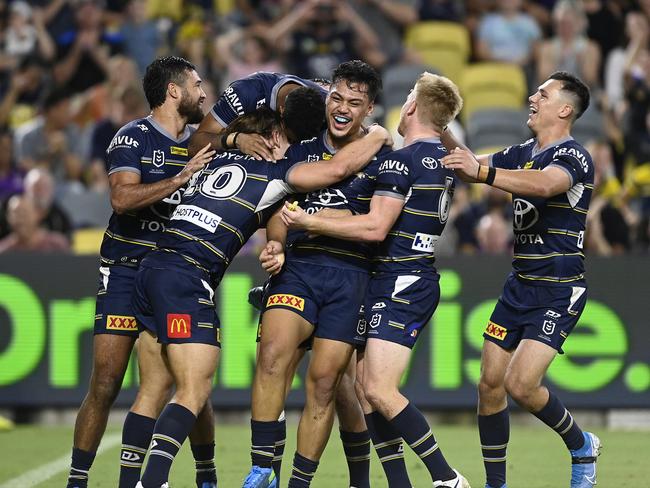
132	135
308	150
571	149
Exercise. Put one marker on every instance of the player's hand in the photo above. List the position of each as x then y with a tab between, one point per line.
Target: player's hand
272	257
464	164
197	163
380	131
293	216
255	145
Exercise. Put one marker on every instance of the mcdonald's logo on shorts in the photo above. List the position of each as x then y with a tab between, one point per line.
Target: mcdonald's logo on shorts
286	300
121	322
179	326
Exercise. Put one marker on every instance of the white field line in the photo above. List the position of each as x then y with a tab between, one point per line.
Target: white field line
46	471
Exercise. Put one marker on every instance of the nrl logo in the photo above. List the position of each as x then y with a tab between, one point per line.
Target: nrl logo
158	158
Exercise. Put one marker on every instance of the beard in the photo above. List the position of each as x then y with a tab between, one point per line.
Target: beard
190	109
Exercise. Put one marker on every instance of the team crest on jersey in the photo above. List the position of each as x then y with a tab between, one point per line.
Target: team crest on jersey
158	158
496	331
361	327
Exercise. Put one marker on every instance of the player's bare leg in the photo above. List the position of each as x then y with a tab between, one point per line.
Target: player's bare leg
385	362
352	428
155	389
523	383
493	415
388	443
111	355
192	366
282	332
329	361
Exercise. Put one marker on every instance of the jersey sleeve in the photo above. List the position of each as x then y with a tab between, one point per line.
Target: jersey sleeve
574	162
505	159
394	176
125	150
238	99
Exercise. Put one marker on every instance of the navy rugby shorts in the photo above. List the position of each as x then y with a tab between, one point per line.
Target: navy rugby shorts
113	310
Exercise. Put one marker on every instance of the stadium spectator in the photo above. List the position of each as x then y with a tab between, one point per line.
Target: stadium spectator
318	35
141	37
569	49
448	10
507	35
26	232
24	93
389	19
51	140
241	52
493	231
39	187
83	52
11	179
605	23
26	34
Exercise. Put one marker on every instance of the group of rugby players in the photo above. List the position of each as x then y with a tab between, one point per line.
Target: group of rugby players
351	264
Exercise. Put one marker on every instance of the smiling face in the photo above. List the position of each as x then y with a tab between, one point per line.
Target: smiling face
547	105
193	96
346	107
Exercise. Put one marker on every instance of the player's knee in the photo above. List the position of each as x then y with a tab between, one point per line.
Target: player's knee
374	392
105	387
489	387
272	361
519	390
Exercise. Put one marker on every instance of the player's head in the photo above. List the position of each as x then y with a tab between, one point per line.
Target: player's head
303	114
563	97
355	86
434	102
175	79
264	122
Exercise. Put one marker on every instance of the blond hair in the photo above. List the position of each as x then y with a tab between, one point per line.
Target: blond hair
438	100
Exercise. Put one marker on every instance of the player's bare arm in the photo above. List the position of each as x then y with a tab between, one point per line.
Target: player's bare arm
347	161
128	193
210	132
450	142
272	256
549	182
370	227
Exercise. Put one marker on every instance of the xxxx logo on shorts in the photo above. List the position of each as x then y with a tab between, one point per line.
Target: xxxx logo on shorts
496	331
121	322
179	325
286	300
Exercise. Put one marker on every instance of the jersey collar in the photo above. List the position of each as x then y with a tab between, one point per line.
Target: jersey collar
186	133
539	150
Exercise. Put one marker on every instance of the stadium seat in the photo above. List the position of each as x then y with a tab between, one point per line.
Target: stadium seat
589	126
497	128
87	241
398	81
442	45
492	85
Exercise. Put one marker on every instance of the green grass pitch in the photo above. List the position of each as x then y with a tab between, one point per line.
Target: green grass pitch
536	458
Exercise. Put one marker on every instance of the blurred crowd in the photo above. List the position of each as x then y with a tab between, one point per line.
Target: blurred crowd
70	74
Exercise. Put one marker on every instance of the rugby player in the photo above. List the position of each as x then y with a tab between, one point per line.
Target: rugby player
408	212
551	178
319	291
298	101
221	208
148	165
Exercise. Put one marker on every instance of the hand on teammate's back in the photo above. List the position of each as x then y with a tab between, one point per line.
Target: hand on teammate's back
255	145
197	163
464	164
272	257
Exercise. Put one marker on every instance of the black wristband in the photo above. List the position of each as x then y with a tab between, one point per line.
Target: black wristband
234	139
492	172
224	141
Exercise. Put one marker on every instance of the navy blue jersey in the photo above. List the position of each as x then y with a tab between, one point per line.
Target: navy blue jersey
222	206
549	232
353	193
145	148
414	174
257	90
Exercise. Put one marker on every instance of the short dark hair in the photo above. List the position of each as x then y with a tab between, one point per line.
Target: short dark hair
576	89
304	114
262	121
359	72
161	72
